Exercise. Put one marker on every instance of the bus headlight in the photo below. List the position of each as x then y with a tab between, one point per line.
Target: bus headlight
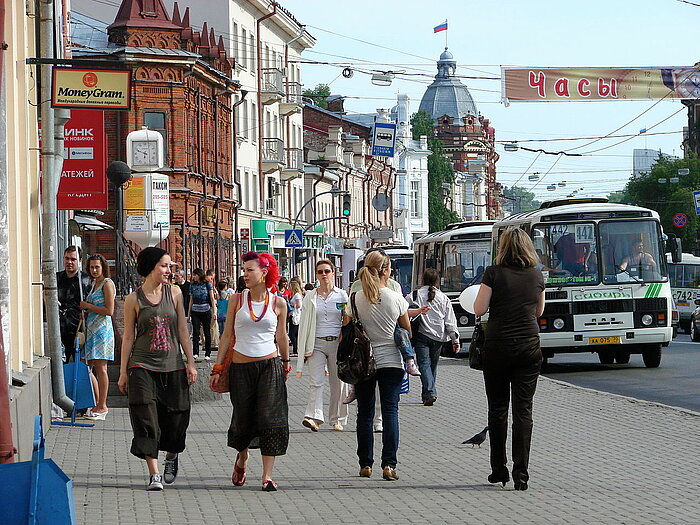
463	320
558	323
647	320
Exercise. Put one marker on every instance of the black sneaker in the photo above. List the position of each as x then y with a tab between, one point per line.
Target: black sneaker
155	482
170	470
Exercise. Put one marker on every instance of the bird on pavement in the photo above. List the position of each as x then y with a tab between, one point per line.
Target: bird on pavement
477	439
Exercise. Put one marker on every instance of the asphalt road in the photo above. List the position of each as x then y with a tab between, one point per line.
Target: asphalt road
676	382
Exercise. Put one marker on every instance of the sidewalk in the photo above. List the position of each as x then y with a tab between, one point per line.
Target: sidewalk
596	458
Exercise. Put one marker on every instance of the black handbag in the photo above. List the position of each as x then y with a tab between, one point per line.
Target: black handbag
415	322
476	347
355	358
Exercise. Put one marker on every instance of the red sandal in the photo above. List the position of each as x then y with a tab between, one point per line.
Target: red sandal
269	486
238	476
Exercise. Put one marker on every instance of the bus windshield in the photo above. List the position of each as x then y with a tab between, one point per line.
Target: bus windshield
401	271
611	251
463	260
684	275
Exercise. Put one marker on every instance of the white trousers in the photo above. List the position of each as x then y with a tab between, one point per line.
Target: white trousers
325	355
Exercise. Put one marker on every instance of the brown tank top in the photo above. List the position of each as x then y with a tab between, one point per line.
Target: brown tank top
156	346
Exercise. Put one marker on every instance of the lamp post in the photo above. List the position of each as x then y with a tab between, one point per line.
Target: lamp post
118	173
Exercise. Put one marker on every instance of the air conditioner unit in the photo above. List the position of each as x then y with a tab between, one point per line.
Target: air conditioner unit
270	206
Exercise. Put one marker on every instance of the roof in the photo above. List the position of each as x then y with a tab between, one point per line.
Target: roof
483	228
447	95
573	209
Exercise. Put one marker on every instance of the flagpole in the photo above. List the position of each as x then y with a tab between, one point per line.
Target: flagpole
446	34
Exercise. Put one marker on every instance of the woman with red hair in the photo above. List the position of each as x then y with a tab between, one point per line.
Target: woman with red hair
256	324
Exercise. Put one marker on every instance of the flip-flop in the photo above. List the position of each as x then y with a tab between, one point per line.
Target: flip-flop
269	486
238	476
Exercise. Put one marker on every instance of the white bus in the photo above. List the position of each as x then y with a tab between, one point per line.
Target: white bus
401	264
685	286
606	278
459	254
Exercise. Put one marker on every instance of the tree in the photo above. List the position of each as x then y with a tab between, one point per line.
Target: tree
319	94
440	172
520	199
668	199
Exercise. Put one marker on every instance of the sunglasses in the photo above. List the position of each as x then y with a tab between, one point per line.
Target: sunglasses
324	271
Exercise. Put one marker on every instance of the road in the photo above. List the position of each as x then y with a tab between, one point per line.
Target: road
676	382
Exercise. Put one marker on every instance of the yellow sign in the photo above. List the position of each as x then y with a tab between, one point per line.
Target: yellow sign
90	88
135	197
610	340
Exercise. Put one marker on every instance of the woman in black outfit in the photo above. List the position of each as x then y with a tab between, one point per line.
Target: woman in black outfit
513	292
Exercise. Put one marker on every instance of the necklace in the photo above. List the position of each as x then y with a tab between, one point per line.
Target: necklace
250	308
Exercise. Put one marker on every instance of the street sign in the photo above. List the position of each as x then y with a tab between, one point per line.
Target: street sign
696	198
293	238
245	234
383	139
383	235
680	220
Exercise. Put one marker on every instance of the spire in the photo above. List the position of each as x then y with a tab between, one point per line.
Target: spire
187	29
447	65
142	13
204	36
176	15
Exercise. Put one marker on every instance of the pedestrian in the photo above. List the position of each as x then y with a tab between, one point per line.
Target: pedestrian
73	285
295	317
240	284
152	371
184	285
322	316
225	294
379	309
210	277
283	290
200	313
437	326
512	291
309	286
99	342
259	368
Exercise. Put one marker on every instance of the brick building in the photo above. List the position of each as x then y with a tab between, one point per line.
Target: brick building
181	87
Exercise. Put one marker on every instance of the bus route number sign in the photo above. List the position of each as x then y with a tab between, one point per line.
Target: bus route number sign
583	233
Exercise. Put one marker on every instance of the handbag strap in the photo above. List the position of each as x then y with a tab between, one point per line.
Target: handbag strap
354	309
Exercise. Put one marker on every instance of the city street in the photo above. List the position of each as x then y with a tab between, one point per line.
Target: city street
676	382
596	458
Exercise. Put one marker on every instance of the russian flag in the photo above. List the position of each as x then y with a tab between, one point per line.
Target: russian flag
441	27
643	130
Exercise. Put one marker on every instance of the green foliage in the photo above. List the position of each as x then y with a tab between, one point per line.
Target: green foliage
439	171
670	198
520	199
319	94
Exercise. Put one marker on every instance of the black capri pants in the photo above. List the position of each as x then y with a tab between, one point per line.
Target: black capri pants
159	408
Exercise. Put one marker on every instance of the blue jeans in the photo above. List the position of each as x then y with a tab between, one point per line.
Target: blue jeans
427	355
221	319
389	380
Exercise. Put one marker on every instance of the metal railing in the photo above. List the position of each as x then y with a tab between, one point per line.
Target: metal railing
293	93
273	150
294	159
272	80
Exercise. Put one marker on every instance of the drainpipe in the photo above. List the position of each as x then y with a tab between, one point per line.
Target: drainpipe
261	177
236	181
302	30
7	449
49	190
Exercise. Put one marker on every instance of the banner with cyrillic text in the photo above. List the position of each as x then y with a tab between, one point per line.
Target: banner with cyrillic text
532	84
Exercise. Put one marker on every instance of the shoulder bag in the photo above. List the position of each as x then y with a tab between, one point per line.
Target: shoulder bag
415	322
222	386
355	358
476	347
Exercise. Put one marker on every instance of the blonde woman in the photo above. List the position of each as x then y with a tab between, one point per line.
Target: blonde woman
513	293
295	317
319	330
379	309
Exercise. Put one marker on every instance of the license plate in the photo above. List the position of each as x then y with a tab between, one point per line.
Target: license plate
609	340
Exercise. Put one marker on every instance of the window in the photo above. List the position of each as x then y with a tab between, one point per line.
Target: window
251	40
253	122
256	196
235	46
243	59
414	196
244	129
157	121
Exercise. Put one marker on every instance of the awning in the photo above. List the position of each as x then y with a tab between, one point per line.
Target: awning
90	223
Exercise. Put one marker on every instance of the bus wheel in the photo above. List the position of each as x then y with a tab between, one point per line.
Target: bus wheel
622	357
652	356
606	357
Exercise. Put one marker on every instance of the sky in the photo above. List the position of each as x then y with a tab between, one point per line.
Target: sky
484	35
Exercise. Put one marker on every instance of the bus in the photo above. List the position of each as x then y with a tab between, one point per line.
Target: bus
606	278
401	264
459	254
685	286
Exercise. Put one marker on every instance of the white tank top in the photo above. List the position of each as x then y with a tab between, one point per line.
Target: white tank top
256	339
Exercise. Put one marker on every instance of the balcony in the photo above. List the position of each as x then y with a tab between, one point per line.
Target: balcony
294	165
272	154
272	86
292	102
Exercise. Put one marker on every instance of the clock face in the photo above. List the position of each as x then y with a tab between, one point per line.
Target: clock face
144	153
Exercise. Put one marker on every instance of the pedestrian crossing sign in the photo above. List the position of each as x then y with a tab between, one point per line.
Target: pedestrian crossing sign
293	238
